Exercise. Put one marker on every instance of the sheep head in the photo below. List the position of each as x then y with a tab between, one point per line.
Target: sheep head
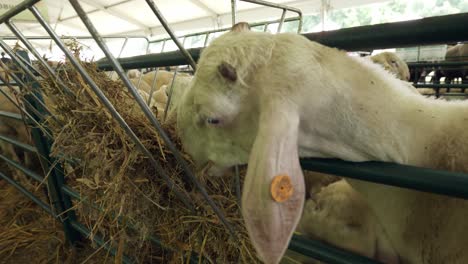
222	120
392	63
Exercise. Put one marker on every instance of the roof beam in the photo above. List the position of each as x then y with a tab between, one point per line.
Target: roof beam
203	6
225	18
108	10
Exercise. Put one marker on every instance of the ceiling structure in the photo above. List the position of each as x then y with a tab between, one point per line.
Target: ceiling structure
135	18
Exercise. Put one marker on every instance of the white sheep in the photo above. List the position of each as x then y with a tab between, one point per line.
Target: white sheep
162	78
15	129
132	74
268	99
392	63
338	215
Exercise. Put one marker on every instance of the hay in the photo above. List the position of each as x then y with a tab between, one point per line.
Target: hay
119	180
28	233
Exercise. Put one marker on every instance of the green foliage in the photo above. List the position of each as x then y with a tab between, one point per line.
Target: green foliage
395	10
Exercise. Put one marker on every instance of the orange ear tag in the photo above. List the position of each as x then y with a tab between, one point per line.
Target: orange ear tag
281	188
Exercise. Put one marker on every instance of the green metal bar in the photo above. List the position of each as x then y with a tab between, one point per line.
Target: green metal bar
28	194
11	115
23	169
86	233
61	203
431	30
435	85
326	253
172	58
435	64
422	179
16	10
17	143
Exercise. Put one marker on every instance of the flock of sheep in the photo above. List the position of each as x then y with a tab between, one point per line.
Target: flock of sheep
267	100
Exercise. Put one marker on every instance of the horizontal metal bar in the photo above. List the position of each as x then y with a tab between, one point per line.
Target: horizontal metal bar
17	143
76	37
326	253
279	6
86	232
28	194
435	85
274	5
289	19
431	30
423	179
172	58
23	169
11	115
436	63
16	10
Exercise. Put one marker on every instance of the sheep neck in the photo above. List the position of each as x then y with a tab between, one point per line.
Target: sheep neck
416	131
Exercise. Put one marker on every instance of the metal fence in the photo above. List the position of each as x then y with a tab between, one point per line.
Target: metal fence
410	33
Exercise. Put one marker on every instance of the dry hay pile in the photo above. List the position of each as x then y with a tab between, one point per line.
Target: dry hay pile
118	179
28	234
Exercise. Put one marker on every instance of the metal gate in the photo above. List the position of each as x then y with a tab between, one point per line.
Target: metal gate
418	32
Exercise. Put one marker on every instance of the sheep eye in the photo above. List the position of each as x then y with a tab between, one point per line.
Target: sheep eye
213	121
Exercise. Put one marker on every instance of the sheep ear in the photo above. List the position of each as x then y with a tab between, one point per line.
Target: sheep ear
227	71
273	193
241	27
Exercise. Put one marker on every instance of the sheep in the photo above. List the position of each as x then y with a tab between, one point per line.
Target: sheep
162	78
456	53
392	63
131	74
14	129
338	215
267	99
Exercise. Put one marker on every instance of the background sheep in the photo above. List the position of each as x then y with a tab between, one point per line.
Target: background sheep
392	63
338	215
456	53
15	129
259	98
132	74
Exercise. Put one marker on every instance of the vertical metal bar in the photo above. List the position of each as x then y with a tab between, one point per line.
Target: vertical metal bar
29	46
280	25
120	53
141	72
206	39
233	11
163	46
153	85
237	184
265	29
170	94
164	23
280	6
106	101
